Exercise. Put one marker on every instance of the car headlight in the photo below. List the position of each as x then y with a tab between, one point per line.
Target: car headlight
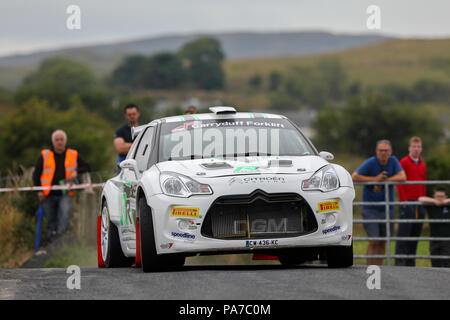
174	184
325	179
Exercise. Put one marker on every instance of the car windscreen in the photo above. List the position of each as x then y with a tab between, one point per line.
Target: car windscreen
220	138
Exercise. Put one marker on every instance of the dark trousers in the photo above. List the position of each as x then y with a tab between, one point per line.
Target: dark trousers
57	210
440	248
408	230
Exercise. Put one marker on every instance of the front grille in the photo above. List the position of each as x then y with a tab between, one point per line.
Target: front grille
259	215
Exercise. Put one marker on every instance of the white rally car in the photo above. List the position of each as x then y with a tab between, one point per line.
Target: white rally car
225	182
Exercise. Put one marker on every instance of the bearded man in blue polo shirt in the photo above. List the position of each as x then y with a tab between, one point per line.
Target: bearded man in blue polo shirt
382	167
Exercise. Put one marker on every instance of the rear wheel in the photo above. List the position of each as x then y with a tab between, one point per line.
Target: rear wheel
340	257
150	260
111	250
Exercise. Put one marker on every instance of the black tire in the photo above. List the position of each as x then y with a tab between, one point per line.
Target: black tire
340	256
150	260
114	256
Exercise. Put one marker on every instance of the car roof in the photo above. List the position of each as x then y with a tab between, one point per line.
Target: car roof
206	116
213	116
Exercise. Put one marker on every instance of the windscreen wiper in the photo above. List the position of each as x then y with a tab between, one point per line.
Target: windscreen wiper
247	154
190	157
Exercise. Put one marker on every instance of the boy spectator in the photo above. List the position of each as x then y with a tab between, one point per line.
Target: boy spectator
438	207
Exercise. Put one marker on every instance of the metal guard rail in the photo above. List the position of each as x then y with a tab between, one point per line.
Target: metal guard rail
388	220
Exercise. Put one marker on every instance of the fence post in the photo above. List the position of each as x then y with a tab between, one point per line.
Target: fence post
388	222
88	212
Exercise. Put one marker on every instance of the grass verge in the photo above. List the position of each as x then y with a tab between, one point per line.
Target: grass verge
77	253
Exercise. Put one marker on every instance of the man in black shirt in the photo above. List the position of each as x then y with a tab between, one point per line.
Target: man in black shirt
122	137
438	207
57	166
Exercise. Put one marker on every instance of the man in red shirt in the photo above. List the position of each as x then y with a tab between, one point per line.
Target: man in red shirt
415	170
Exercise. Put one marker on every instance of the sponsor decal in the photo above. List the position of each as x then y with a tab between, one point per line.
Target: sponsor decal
248	180
184	235
246	168
185	126
270	225
185	212
123	208
328	206
166	245
232	123
235	180
335	228
261	243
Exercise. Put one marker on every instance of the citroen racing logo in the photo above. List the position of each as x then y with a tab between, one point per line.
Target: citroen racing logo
256	180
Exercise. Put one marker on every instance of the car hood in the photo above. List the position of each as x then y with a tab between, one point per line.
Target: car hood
209	168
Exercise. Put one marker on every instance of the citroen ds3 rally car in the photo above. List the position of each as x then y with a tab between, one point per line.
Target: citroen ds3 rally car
225	182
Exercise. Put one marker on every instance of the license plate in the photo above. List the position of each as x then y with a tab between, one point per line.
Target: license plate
261	243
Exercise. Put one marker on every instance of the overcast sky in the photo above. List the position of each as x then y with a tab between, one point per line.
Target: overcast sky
27	26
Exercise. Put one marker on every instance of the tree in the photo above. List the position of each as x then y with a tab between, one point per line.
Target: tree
255	81
203	58
56	81
30	127
425	90
395	92
127	73
275	78
161	71
438	164
6	97
356	126
333	74
315	85
279	101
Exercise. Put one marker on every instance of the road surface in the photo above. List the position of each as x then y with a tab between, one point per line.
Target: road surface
227	282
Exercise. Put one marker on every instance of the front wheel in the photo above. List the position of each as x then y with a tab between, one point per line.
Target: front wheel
340	256
110	249
150	260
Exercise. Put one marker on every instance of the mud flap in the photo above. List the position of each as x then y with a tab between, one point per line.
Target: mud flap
101	263
137	262
258	256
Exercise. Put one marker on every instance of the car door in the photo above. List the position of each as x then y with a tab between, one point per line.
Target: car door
130	177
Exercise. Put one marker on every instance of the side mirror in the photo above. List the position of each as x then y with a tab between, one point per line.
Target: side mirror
129	164
326	155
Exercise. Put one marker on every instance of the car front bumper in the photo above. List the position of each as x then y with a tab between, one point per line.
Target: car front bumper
180	230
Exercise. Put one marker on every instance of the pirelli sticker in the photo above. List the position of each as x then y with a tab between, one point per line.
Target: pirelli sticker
185	212
329	206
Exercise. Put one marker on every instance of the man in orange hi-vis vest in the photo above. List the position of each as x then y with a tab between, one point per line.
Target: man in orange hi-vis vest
57	166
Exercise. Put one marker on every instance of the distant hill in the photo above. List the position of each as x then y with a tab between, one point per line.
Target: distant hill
103	58
396	61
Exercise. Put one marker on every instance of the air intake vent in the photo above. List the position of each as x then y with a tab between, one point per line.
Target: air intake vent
259	215
216	165
223	110
280	163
